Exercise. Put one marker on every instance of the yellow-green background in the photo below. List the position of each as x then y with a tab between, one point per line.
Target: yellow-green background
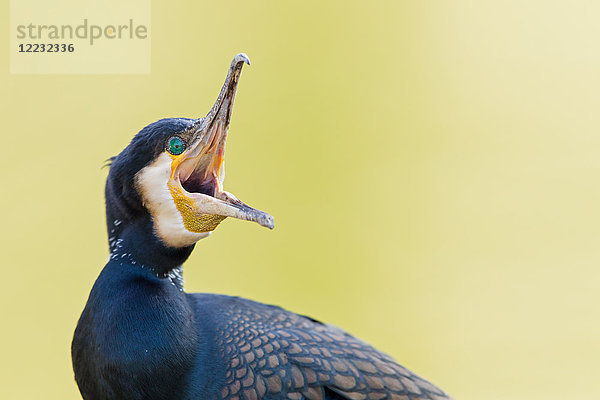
433	168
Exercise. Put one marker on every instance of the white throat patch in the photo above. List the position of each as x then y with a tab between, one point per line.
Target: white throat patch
152	184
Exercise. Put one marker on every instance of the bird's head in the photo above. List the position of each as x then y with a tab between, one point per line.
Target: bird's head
169	179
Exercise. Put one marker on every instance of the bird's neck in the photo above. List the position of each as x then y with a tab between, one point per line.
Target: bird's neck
135	330
136	243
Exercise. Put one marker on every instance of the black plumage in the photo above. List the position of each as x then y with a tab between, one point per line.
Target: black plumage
141	337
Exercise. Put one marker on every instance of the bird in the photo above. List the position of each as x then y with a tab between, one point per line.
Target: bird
140	336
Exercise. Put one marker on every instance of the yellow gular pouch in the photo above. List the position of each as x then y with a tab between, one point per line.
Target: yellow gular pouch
193	219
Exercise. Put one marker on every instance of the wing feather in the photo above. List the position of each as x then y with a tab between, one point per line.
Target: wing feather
271	353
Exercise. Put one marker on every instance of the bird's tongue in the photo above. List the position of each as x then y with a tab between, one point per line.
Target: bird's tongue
200	175
198	185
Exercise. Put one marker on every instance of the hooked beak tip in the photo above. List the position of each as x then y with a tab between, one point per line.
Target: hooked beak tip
241	57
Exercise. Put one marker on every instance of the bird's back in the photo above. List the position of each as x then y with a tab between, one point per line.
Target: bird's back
266	352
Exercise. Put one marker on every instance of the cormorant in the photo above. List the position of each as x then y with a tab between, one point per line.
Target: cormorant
141	337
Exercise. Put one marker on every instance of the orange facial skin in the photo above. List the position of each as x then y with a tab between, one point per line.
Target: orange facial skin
193	219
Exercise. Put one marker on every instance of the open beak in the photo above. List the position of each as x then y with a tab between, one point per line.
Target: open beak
197	174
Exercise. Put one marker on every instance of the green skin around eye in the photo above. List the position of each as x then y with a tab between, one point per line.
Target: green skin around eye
176	146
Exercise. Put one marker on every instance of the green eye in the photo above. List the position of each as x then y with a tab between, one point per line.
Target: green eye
175	146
